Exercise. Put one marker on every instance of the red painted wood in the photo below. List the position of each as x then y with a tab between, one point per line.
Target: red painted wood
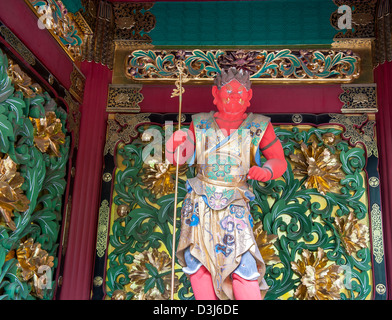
383	78
79	259
19	18
266	99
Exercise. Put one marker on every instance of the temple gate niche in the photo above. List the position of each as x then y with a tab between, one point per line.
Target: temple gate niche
319	226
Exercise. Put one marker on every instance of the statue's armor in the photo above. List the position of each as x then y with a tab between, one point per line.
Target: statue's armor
216	224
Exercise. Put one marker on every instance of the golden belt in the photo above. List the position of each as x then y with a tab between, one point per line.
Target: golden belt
220	183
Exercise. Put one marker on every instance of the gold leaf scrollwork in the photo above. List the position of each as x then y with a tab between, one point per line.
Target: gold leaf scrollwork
54	17
102	233
122	127
359	129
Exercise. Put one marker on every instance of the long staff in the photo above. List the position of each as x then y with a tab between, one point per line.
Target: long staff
177	92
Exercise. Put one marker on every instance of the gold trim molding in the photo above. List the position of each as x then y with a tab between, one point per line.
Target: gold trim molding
74	116
17	45
78	81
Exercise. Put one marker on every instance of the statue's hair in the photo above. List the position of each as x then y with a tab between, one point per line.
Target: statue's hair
242	76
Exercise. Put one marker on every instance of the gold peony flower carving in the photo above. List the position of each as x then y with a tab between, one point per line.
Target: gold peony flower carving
318	282
159	177
11	194
48	134
150	266
31	257
321	167
119	295
22	81
265	242
354	235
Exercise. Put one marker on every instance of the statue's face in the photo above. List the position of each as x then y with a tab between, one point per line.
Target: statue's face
232	98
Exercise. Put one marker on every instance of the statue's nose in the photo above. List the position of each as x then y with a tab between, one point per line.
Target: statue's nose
235	95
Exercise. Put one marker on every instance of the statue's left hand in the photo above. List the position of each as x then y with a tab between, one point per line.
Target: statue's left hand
259	174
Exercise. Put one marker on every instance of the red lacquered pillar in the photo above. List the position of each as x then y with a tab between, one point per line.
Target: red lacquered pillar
383	78
79	258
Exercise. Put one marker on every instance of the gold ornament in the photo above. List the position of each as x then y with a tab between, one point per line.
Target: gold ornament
139	275
22	81
265	242
246	60
11	195
159	177
119	295
329	139
318	282
320	165
122	210
354	235
48	134
10	255
31	257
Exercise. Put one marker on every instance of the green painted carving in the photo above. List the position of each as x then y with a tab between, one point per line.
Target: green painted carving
298	213
44	186
311	225
300	65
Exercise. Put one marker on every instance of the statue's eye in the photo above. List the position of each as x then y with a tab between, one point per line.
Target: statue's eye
228	91
240	92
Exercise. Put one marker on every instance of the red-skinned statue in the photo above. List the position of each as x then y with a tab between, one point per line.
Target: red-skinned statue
217	248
